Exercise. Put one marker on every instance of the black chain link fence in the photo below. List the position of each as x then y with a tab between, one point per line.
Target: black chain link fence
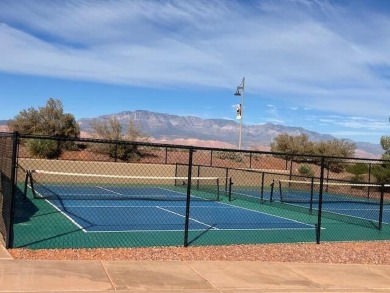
8	144
96	193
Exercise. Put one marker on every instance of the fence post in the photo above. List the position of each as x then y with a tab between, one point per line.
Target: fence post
15	142
318	231
286	162
291	169
369	180
116	151
58	148
250	160
166	155
381	206
187	217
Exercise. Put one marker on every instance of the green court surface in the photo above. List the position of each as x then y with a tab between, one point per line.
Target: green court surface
41	224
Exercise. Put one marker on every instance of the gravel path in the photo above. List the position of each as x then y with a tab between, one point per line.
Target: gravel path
342	253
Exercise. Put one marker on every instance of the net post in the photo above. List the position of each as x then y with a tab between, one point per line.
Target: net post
280	190
187	217
226	180
230	188
217	189
26	183
176	167
272	191
32	184
311	196
198	175
262	188
381	207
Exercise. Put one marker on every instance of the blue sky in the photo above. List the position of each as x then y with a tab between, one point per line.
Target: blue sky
321	65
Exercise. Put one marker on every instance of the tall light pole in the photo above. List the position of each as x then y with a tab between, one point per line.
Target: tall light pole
240	108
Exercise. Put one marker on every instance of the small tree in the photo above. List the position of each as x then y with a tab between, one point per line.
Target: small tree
385	143
305	170
113	130
357	170
382	172
292	145
48	120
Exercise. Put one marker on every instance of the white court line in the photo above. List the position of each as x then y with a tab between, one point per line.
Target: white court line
255	211
62	212
183	216
110	190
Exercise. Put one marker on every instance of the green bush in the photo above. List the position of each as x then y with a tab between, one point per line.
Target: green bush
125	152
381	174
357	169
43	148
305	170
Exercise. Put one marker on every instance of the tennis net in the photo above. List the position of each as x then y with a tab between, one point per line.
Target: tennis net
355	203
83	186
307	191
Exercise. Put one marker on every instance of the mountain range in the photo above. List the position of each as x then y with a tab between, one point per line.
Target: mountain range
222	133
215	132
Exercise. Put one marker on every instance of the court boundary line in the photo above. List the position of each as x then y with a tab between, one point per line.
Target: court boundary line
62	212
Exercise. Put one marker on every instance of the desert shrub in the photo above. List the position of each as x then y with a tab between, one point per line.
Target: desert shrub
113	130
125	152
358	170
305	170
232	156
43	148
381	173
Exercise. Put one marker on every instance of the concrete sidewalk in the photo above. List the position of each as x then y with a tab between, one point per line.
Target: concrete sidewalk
187	276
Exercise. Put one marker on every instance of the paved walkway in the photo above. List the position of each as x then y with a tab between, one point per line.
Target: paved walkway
187	276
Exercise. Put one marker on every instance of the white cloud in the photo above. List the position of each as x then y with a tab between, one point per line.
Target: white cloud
353	122
313	54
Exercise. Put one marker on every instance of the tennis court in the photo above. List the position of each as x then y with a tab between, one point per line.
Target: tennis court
348	200
92	210
167	205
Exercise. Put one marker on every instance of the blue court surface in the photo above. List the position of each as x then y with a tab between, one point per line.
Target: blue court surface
132	209
337	204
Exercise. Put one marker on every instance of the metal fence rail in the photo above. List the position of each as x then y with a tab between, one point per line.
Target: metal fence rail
98	193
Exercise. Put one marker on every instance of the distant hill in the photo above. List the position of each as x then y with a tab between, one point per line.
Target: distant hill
3	126
222	133
195	130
